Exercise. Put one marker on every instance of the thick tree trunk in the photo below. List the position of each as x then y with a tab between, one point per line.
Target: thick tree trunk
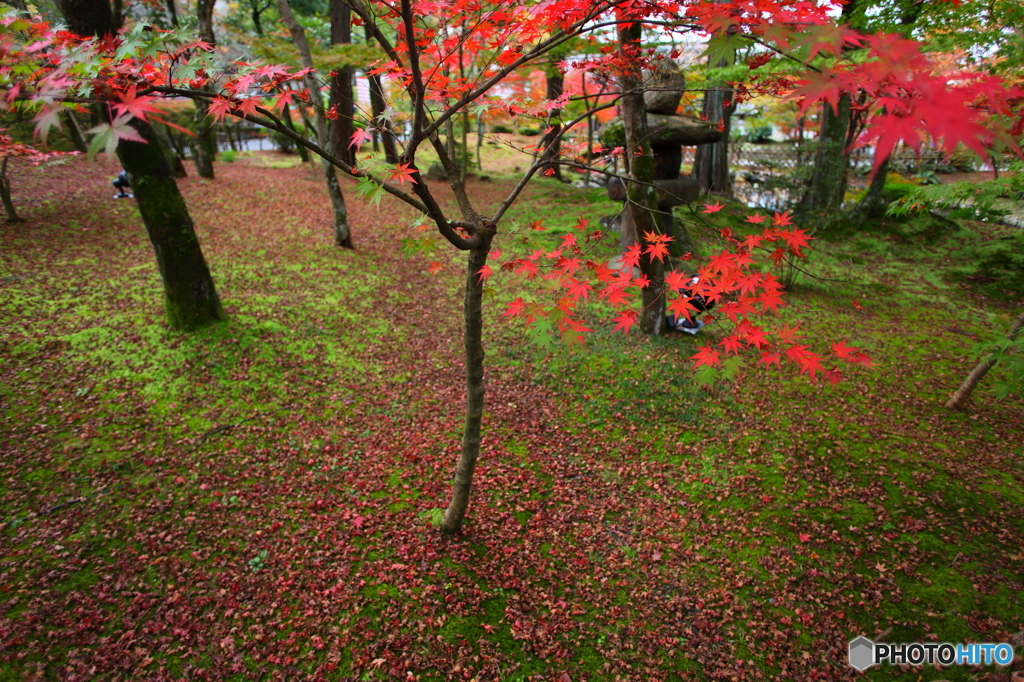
190	298
342	232
473	318
711	161
341	87
88	17
552	142
642	200
824	195
958	399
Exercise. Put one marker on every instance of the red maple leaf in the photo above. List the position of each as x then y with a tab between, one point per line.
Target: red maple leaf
403	172
705	355
625	320
713	208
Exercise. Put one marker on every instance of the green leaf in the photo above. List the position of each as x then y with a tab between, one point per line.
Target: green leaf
705	375
370	190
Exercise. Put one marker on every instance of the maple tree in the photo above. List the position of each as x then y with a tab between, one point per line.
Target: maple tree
904	99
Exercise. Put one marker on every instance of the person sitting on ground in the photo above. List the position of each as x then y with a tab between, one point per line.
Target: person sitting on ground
121	183
683	323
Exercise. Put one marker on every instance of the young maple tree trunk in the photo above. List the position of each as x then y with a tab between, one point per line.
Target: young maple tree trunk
5	193
641	197
473	318
958	399
190	297
342	232
205	145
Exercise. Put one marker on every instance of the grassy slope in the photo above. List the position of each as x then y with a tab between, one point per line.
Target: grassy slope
628	524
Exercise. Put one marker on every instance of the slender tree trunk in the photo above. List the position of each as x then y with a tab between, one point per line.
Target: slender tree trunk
479	141
551	140
5	193
980	370
190	298
205	145
642	200
473	318
342	232
287	115
172	13
341	87
75	131
378	103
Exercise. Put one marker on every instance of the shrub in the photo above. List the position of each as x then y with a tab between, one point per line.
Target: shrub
228	156
499	128
284	143
530	132
998	268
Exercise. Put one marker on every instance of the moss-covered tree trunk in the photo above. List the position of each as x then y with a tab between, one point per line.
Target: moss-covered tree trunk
190	297
641	197
824	194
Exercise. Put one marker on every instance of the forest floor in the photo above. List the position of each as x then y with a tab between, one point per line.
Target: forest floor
255	500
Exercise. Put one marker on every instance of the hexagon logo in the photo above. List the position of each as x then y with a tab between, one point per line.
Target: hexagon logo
862	653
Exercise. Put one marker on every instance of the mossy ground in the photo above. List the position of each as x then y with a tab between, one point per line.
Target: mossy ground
256	496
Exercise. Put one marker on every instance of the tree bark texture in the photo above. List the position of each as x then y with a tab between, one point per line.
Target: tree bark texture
190	297
641	198
5	193
827	186
711	161
552	141
342	232
473	318
341	87
88	17
958	399
205	145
